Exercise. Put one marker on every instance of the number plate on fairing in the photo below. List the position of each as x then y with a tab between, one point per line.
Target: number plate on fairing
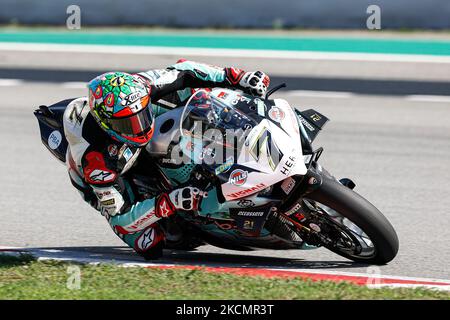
250	220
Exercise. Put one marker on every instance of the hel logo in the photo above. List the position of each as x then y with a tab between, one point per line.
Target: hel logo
117	81
276	114
109	102
238	177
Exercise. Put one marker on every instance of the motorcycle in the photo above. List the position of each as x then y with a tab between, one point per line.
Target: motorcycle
266	188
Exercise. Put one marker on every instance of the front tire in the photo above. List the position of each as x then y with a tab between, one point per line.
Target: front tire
363	214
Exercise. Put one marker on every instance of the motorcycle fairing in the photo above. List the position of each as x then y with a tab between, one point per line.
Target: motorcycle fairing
272	151
50	119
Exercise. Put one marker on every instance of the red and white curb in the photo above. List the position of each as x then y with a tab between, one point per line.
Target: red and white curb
375	280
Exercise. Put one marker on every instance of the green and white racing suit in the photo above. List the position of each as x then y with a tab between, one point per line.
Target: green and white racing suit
98	164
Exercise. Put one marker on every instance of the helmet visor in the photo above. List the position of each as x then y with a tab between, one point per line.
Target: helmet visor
136	125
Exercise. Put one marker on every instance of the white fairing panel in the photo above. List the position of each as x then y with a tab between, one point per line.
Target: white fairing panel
73	121
272	152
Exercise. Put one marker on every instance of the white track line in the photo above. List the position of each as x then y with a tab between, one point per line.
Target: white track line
428	98
74	85
77	257
278	54
320	94
296	93
371	275
10	82
408	286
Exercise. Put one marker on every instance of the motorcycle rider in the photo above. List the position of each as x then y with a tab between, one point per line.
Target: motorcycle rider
107	130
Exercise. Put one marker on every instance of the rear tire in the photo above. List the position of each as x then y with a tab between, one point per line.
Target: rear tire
362	213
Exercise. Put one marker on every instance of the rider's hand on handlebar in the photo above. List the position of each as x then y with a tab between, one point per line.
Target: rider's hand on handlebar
256	82
186	199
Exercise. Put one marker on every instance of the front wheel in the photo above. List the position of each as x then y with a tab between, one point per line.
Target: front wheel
350	225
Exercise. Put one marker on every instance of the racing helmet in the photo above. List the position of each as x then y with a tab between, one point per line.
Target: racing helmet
120	103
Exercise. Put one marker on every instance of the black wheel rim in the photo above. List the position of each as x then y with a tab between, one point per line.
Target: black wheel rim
343	235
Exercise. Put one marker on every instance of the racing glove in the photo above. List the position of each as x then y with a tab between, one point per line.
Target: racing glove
255	82
186	199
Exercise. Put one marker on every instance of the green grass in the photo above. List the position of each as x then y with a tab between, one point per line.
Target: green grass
23	278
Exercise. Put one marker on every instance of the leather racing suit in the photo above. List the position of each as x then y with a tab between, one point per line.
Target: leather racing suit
98	165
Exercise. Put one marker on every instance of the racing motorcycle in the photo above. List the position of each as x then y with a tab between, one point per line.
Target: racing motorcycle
266	188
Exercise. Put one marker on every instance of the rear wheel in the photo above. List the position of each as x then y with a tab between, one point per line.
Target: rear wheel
349	225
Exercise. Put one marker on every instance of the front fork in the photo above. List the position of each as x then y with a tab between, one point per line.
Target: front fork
294	209
305	184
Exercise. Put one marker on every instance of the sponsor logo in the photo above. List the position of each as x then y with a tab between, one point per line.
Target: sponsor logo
127	154
168	160
108	202
245	203
299	216
54	139
261	107
238	177
276	114
242	193
100	195
224	167
101	175
146	239
222	95
113	150
164	208
132	97
287	185
306	124
250	213
144	220
240	98
294	209
225	225
287	166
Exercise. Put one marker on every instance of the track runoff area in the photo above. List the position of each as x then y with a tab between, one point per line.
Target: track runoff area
373	280
225	46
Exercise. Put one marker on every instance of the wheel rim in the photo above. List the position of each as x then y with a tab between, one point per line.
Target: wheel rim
342	235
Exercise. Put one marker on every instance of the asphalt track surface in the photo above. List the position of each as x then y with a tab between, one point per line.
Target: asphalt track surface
360	86
396	150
